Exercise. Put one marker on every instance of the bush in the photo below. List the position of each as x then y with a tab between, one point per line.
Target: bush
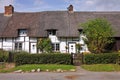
100	58
4	56
21	59
118	59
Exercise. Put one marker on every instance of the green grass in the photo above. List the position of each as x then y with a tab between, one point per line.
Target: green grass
2	66
102	67
7	70
43	67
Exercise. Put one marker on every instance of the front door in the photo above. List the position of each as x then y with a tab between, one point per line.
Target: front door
72	48
33	48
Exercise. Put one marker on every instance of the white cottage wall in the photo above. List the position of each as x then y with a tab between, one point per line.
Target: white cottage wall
63	47
7	44
30	44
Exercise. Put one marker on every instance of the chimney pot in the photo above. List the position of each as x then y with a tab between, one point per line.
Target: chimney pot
9	10
70	8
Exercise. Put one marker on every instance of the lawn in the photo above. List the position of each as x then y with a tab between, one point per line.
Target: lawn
43	67
2	66
102	67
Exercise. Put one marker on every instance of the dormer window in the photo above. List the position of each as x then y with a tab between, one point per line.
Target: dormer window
22	32
51	32
80	31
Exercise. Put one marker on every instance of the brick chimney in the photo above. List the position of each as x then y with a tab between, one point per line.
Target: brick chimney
70	8
9	10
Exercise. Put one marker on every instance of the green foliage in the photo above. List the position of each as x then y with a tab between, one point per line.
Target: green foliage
99	33
106	58
43	67
78	47
44	44
14	53
21	52
102	67
45	58
4	56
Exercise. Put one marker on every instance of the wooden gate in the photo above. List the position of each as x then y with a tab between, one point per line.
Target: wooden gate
77	59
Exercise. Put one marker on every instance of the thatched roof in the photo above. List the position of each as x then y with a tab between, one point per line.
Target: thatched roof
66	24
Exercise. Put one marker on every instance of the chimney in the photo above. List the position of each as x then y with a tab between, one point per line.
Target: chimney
70	8
9	10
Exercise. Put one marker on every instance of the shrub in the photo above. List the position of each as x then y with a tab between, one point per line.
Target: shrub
118	62
105	58
45	58
4	56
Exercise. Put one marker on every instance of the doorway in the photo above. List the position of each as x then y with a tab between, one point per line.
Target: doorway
33	48
72	47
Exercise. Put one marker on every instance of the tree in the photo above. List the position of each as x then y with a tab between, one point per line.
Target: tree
99	33
78	47
44	44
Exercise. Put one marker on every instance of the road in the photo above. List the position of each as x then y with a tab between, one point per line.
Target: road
61	76
79	75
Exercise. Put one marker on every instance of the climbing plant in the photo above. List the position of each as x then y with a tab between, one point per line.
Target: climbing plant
44	45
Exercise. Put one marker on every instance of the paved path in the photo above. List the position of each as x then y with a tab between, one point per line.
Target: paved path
78	75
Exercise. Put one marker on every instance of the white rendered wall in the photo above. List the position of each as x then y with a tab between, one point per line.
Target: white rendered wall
33	39
54	39
7	44
63	47
19	39
26	44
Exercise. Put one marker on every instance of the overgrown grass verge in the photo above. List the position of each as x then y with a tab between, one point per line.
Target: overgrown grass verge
42	67
2	66
102	67
7	70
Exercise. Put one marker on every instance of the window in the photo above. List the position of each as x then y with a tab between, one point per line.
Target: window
55	47
18	46
51	32
22	32
80	31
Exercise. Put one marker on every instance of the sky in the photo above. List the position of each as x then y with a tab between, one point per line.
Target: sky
61	5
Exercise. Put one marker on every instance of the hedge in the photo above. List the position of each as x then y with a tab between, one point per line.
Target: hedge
43	58
4	56
105	58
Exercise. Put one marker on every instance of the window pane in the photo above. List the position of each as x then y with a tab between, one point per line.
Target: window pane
22	32
20	46
51	32
54	32
16	45
53	47
57	47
